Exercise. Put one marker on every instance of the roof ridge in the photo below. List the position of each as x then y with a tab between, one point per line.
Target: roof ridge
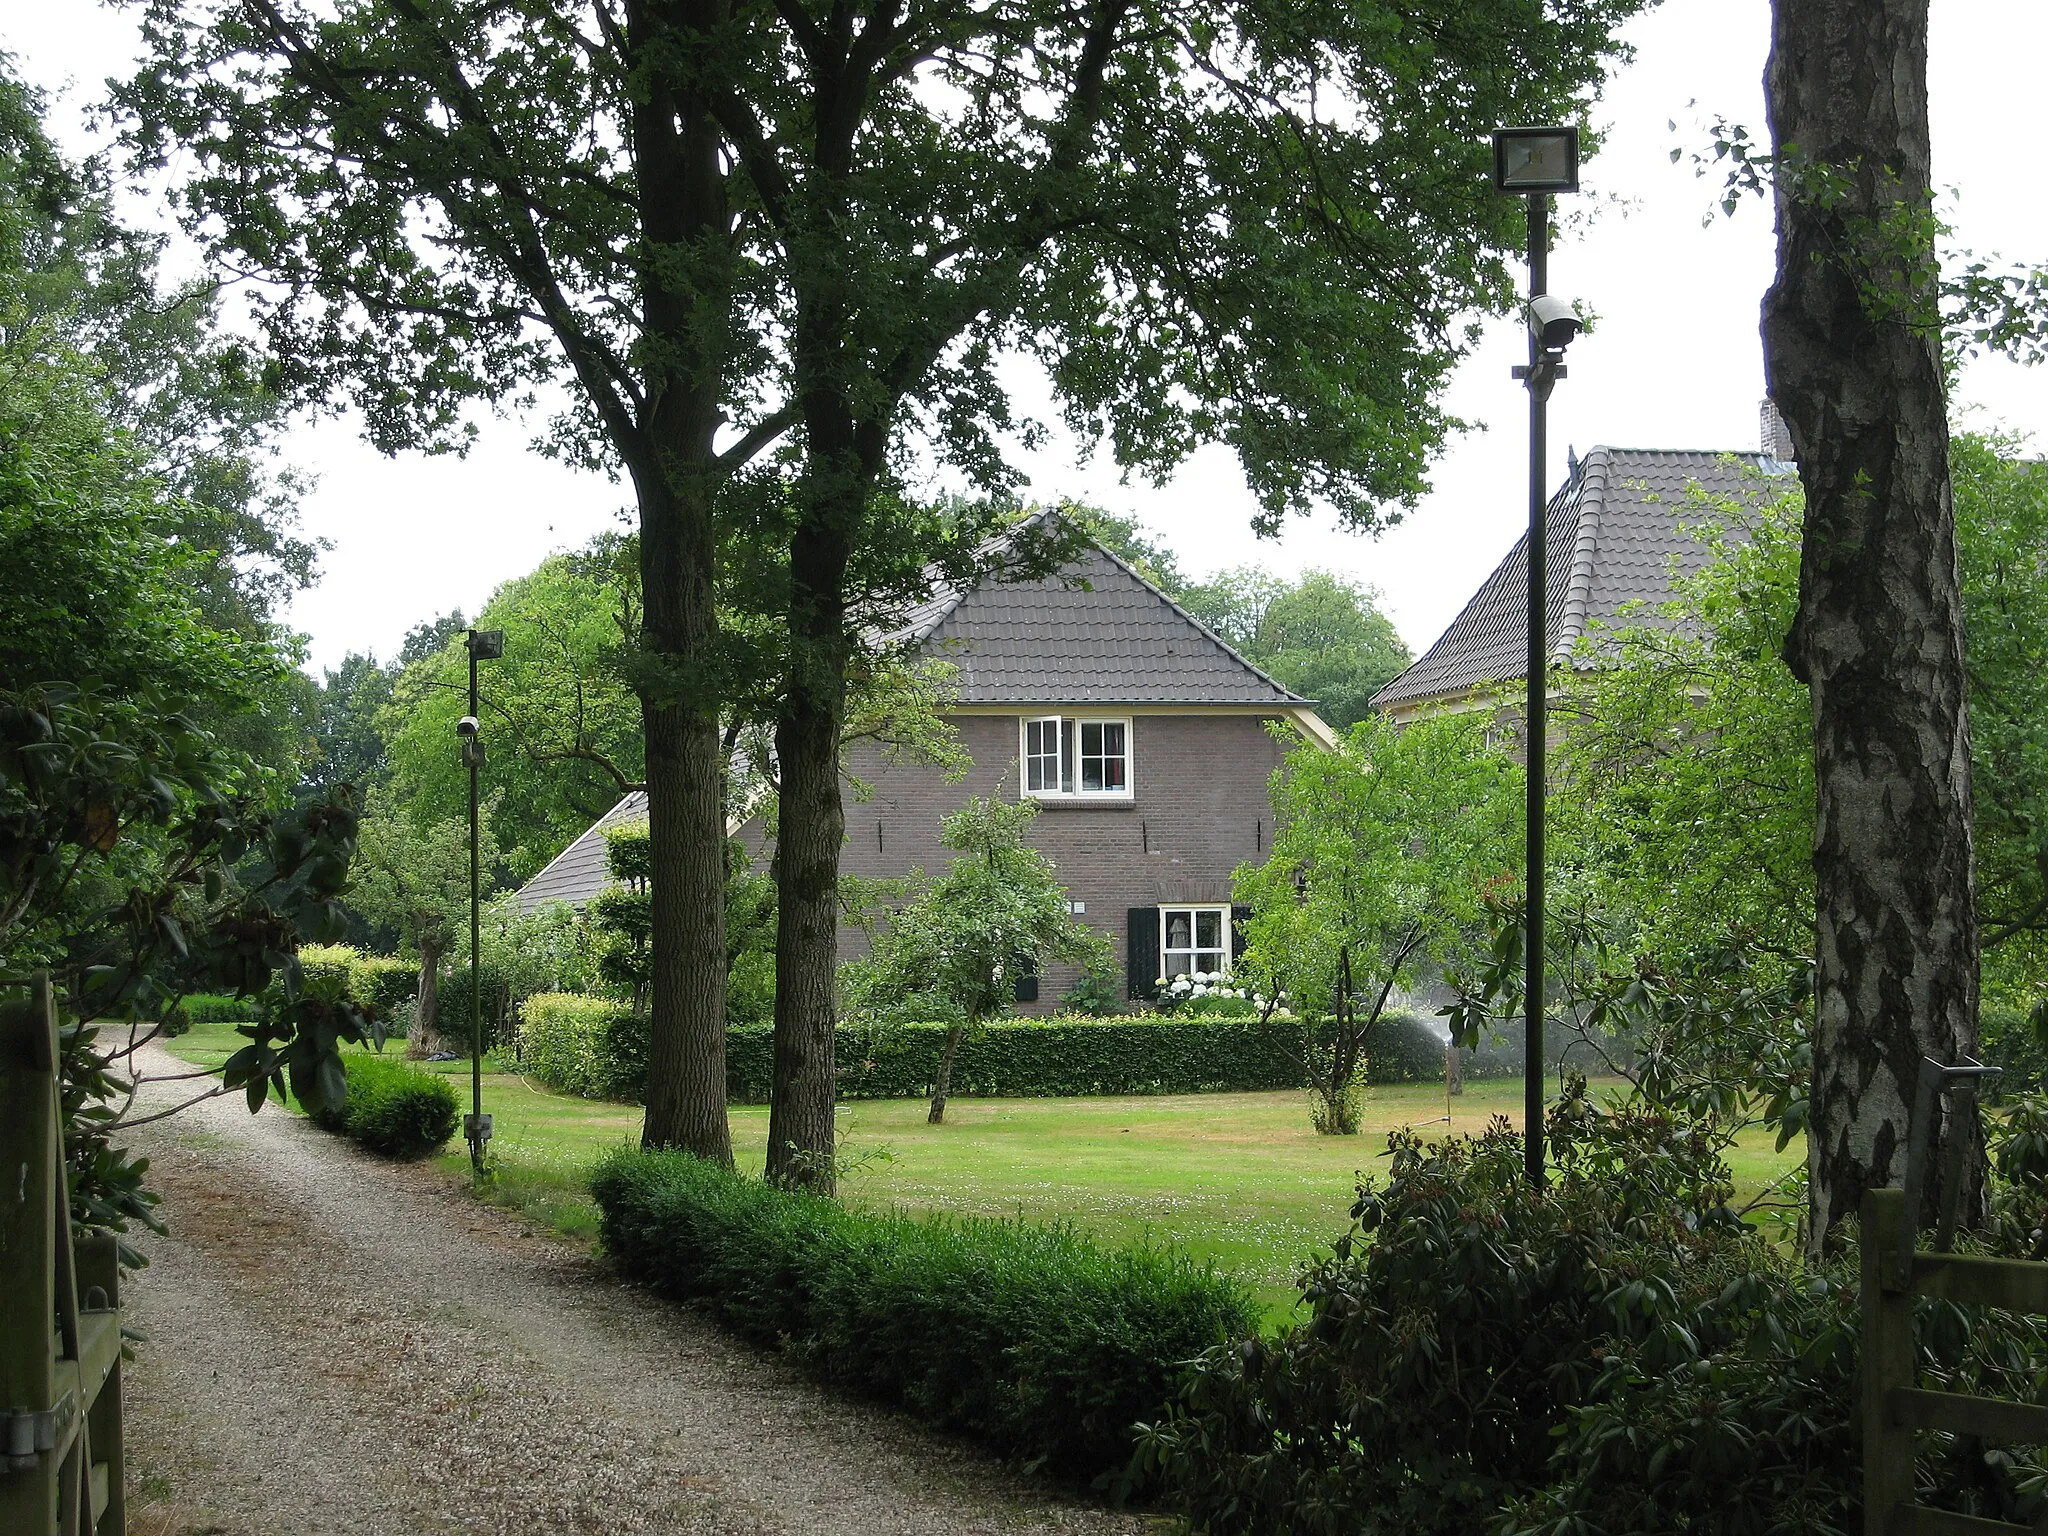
1578	592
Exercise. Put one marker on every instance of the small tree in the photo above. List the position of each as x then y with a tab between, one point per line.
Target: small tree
1385	848
955	952
416	879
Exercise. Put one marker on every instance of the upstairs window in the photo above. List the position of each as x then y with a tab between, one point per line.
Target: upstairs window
1066	755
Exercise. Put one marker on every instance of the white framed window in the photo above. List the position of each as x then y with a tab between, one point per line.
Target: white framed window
1076	755
1194	939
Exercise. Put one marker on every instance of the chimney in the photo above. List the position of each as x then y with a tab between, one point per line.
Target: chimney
1777	437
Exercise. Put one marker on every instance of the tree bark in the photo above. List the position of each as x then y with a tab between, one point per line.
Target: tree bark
942	1085
424	1038
1851	351
683	209
811	825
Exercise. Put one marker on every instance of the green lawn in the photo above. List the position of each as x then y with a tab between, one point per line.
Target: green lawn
1240	1178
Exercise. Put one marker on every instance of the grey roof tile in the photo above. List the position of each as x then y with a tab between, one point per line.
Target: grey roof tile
1096	633
1614	535
578	872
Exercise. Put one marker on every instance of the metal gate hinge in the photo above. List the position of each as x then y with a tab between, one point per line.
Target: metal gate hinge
26	1433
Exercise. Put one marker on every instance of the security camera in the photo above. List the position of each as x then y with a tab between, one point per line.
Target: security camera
467	726
1552	322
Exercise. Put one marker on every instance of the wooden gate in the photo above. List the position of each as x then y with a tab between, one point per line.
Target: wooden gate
1893	1407
61	1470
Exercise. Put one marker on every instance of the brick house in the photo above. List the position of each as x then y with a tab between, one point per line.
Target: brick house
1144	738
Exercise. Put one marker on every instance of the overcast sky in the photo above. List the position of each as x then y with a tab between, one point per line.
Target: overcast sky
1674	362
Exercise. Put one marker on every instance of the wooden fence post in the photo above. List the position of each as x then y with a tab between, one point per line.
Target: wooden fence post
61	1467
1887	1362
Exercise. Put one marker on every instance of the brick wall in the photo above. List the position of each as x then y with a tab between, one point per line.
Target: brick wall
1198	810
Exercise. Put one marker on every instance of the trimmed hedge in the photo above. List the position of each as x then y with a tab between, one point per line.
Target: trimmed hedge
320	963
592	1046
597	1048
1033	1338
218	1008
382	983
393	1107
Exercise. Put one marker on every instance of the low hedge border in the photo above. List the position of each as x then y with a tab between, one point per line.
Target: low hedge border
393	1107
1033	1338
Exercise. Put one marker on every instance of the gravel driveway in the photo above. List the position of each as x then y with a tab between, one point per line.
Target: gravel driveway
339	1344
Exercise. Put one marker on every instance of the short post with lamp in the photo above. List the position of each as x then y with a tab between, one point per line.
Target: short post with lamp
1538	162
483	645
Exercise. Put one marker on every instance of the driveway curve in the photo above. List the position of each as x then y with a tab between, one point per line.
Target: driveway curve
338	1344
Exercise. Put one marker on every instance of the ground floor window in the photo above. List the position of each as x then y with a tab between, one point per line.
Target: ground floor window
1194	939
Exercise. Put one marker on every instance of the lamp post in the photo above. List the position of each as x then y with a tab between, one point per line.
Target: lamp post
483	645
1537	162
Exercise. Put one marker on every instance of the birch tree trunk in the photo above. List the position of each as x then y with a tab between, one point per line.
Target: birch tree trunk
1851	351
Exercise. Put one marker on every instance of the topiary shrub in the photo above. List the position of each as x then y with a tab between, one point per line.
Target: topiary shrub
1033	1338
393	1107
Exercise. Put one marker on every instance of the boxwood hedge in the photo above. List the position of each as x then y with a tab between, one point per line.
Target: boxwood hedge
393	1107
1033	1338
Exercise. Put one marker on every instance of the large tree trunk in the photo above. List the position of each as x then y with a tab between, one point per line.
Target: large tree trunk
1851	349
424	1038
810	826
683	207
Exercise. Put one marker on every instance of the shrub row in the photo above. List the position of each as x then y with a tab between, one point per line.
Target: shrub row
215	1008
595	1047
393	1107
1033	1338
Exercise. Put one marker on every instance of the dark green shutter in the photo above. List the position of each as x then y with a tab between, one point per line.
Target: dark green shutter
1141	953
1239	916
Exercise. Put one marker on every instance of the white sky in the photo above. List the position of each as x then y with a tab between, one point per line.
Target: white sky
1675	361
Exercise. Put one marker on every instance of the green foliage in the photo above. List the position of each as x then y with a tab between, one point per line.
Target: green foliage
1685	776
330	964
451	1011
1320	635
216	1008
561	725
593	1047
382	983
621	928
416	879
1454	1330
2001	501
393	1108
1033	1338
955	949
1383	851
140	854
